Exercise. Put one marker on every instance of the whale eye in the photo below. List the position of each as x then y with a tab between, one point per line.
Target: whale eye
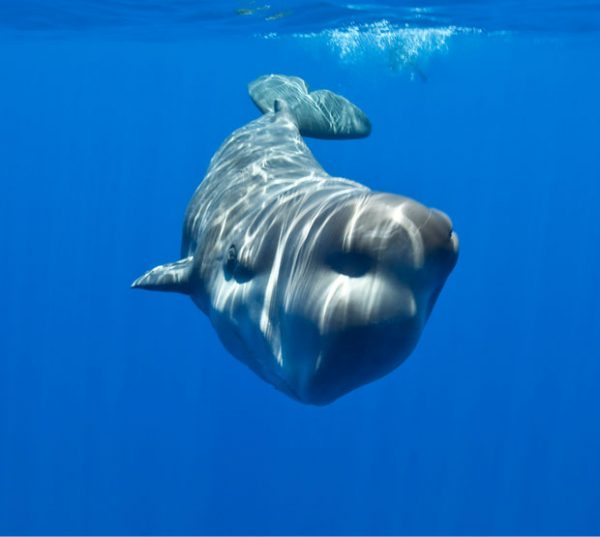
230	262
233	268
353	264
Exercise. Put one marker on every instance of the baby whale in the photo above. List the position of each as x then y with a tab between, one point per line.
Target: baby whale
317	283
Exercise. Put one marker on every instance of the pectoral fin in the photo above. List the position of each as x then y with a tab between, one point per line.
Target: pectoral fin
173	277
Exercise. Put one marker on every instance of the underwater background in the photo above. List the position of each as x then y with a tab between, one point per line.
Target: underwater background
121	412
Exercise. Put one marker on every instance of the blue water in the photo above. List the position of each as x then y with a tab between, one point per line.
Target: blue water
120	411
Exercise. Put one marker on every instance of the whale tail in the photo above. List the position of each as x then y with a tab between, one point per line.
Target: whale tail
318	114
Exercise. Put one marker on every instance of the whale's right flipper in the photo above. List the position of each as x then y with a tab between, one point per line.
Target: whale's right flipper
319	114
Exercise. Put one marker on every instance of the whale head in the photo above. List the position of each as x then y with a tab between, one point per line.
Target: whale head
356	291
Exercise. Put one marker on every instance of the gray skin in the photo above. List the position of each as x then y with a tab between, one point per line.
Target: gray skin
317	283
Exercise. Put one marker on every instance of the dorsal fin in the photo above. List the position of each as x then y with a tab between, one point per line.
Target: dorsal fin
173	277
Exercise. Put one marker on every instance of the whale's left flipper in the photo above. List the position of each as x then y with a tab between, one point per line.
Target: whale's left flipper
172	277
319	114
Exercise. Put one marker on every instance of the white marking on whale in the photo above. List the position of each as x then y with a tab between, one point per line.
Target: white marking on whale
317	283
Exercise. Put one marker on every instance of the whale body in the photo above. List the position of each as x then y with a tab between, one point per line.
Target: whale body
317	283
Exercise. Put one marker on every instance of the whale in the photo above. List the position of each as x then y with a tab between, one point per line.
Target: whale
317	283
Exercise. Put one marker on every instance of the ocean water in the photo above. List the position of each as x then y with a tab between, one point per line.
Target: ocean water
121	412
